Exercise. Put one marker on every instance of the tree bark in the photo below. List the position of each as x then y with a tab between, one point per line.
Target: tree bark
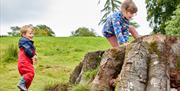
91	61
110	67
150	63
158	78
133	76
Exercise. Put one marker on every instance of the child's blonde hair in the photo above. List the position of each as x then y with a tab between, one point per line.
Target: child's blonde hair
129	6
25	28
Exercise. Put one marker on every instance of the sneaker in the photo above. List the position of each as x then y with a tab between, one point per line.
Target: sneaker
22	85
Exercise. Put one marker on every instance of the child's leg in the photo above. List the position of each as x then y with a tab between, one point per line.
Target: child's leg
27	72
29	75
22	84
113	41
29	78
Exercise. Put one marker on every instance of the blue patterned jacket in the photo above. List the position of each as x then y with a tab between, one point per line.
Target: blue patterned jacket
28	46
117	25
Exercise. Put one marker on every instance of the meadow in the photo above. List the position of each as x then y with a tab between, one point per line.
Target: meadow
57	57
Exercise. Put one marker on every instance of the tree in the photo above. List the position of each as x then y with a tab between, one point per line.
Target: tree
43	30
173	26
159	12
40	30
109	7
83	31
15	31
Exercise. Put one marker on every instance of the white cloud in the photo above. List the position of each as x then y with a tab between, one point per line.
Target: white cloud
68	16
13	11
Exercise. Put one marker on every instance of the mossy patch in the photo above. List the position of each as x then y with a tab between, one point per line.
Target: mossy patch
81	87
178	63
154	48
88	75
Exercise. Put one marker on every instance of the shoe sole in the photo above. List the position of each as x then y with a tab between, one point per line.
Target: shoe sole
22	88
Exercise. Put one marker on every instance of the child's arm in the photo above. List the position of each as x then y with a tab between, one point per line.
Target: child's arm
133	31
27	49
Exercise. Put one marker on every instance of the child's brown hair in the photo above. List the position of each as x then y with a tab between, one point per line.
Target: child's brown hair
129	6
25	28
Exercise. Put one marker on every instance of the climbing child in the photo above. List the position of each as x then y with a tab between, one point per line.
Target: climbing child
26	57
117	28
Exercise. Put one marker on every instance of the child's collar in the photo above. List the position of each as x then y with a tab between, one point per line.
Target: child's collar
26	39
121	14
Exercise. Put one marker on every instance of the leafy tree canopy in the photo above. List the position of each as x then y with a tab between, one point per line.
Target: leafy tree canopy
173	26
110	6
159	12
43	30
40	30
15	31
83	31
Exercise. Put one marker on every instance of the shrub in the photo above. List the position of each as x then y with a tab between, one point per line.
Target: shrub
56	87
10	54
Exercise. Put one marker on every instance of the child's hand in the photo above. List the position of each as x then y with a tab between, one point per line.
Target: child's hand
34	59
126	44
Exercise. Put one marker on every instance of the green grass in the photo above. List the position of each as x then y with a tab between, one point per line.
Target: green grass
81	87
10	54
57	57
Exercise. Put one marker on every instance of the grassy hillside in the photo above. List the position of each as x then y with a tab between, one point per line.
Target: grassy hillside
57	56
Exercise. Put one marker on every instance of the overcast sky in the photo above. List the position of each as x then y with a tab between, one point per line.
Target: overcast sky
63	16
